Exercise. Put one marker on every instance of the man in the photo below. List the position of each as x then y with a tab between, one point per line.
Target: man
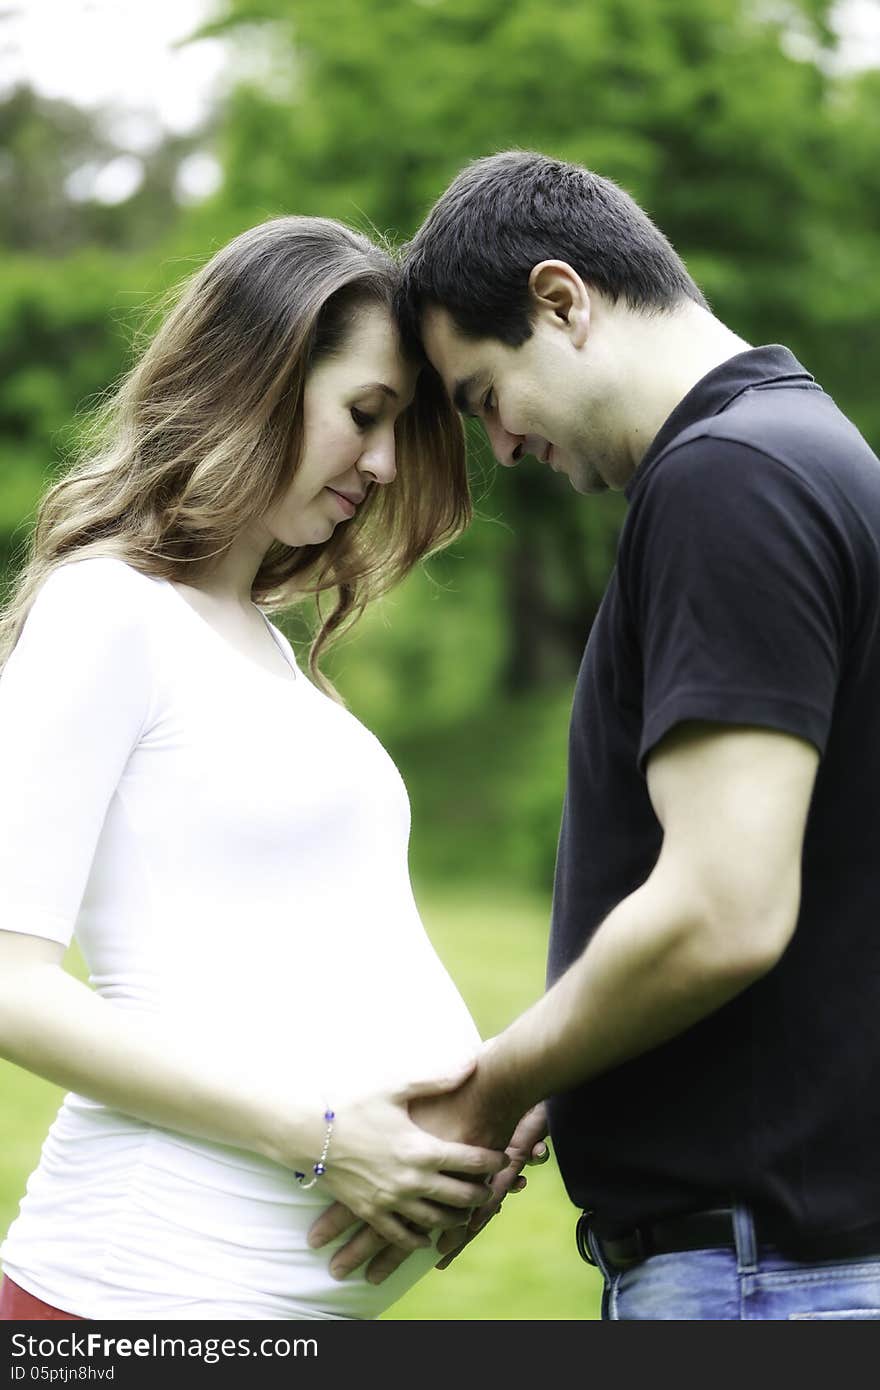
708	1040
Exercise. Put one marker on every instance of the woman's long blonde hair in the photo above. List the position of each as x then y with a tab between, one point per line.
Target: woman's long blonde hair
204	433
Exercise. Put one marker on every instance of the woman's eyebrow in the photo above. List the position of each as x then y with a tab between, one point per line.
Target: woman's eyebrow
377	386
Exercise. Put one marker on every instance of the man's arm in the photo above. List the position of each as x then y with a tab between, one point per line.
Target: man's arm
715	914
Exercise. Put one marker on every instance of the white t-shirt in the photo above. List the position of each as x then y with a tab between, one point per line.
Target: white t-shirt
230	846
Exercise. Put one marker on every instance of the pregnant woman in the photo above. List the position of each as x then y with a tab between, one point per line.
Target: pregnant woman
227	841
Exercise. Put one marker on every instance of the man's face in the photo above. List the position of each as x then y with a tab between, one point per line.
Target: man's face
541	398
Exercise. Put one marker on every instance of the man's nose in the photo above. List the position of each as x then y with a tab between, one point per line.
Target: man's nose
506	447
379	462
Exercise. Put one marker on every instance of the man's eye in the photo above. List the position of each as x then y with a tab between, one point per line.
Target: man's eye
362	419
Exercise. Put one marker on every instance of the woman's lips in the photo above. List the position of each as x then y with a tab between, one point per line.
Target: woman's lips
346	506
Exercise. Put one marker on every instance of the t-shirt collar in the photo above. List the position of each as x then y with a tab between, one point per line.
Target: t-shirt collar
758	366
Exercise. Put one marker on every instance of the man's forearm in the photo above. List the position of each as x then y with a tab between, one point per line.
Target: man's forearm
652	969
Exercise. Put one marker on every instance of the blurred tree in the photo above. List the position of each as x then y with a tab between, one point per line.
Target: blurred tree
73	291
51	153
42	142
745	154
725	118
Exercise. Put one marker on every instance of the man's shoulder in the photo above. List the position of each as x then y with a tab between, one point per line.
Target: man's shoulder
791	423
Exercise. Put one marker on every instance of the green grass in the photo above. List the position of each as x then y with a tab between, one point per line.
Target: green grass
525	1265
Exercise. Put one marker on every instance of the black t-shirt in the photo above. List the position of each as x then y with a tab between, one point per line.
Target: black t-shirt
746	591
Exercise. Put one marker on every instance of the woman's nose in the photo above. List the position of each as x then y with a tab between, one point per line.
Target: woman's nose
379	461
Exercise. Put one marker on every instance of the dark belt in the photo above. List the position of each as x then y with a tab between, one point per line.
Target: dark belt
713	1229
699	1230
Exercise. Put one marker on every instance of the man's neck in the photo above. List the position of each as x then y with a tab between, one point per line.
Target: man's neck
665	356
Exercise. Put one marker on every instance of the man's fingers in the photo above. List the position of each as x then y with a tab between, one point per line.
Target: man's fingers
455	1237
363	1245
330	1224
502	1184
384	1264
527	1141
369	1240
447	1261
468	1235
452	1239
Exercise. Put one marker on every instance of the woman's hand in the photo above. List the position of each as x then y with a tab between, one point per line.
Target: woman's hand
367	1245
388	1172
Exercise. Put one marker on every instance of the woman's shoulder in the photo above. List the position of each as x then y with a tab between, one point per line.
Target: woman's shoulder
95	592
106	577
109	570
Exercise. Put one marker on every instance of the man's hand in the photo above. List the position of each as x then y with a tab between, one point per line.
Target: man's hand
526	1147
366	1245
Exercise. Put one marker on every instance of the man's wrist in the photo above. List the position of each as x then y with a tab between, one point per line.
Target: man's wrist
502	1081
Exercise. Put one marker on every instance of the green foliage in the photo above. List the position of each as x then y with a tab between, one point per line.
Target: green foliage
759	163
487	792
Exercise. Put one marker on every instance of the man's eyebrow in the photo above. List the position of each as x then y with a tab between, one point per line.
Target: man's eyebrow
463	392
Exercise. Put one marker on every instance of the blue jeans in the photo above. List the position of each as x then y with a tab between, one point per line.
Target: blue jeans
750	1282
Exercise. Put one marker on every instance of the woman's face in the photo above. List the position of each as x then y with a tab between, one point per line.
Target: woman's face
351	403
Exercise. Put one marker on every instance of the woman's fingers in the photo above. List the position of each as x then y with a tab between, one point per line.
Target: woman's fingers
430	1215
453	1191
469	1159
382	1258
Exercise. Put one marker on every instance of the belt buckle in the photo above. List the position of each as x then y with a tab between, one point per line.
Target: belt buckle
621	1254
582	1231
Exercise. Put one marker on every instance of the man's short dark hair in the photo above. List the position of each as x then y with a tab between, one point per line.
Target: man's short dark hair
504	214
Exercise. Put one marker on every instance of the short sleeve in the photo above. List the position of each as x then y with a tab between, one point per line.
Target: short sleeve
75	695
736	586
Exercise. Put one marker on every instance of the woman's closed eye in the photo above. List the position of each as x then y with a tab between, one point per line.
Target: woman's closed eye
361	418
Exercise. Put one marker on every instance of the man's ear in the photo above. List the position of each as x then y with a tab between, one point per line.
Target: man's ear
558	292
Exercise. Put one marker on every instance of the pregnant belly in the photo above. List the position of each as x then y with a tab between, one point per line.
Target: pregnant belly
122	1220
131	1221
236	1237
371	1019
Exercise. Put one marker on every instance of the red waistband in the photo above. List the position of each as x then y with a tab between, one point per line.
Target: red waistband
18	1306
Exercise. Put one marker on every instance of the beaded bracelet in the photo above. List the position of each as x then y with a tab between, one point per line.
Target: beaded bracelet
319	1167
